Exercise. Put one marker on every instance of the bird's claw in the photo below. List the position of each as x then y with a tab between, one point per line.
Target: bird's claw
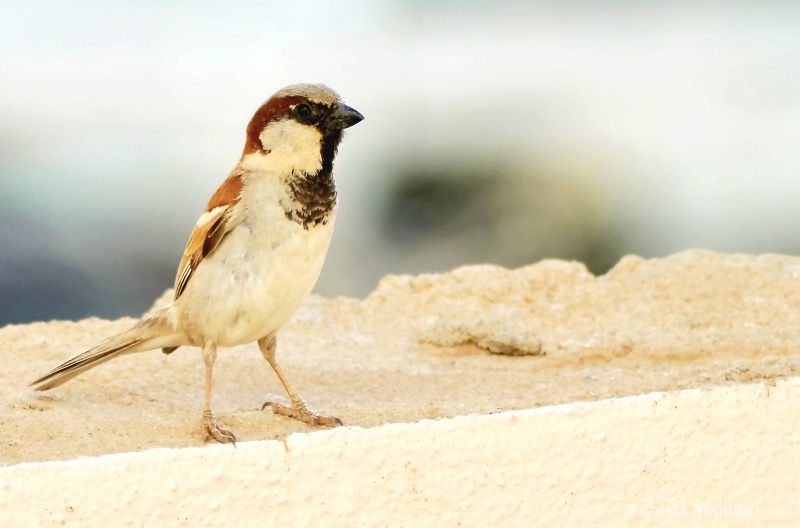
302	413
217	432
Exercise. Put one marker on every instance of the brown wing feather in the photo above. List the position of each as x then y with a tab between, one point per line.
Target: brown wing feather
217	221
200	246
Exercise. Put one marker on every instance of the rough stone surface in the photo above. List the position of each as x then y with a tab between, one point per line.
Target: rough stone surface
719	456
559	335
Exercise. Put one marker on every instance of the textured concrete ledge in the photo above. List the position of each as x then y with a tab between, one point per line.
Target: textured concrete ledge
715	457
455	348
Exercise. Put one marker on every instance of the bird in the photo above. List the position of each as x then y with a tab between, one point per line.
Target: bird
255	252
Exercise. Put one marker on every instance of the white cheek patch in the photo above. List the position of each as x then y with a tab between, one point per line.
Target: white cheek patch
299	144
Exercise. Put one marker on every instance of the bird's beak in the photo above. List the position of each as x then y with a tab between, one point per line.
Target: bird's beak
342	117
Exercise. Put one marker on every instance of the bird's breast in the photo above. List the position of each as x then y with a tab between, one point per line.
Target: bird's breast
257	278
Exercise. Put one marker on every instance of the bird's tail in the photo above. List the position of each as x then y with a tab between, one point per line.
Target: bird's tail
148	334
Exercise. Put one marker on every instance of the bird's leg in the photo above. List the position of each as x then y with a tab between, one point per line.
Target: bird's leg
299	409
214	430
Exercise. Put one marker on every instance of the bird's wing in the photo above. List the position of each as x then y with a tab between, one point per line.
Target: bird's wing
213	225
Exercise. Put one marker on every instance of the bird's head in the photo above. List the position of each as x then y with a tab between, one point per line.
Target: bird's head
300	126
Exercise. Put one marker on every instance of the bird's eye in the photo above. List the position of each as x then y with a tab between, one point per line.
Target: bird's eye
303	110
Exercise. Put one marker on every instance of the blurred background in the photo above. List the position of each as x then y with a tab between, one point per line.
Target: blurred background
496	132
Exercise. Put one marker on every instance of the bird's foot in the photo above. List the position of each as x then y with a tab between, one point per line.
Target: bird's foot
302	413
216	431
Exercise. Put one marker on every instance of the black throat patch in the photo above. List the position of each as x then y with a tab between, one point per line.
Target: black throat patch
314	195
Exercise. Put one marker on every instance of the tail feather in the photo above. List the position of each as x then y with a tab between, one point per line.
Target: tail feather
151	333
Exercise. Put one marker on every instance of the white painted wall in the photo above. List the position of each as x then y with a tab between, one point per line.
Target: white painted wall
727	456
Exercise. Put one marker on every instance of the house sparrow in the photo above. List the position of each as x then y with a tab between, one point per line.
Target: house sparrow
256	251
